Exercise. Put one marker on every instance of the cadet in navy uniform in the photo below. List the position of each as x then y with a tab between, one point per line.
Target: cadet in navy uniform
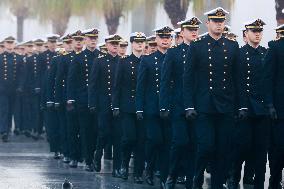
210	85
47	93
147	105
44	59
72	116
178	37
77	93
152	44
31	98
101	88
60	96
9	76
124	107
171	102
253	128
18	107
274	82
91	41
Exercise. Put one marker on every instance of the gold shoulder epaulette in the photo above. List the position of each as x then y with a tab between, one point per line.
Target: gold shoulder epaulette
78	52
174	46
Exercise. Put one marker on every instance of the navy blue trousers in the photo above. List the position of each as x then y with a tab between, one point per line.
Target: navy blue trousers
213	136
158	142
252	144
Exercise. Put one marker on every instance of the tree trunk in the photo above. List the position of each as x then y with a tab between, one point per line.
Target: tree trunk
176	10
20	28
279	6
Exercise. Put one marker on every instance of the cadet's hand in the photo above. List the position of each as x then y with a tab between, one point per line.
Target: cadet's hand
19	90
139	116
42	107
243	114
57	106
164	114
272	113
190	114
37	90
92	110
115	113
70	106
49	105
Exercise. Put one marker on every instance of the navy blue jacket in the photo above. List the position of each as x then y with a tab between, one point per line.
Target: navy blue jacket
171	97
50	85
251	78
274	77
78	78
148	83
125	84
101	86
11	68
45	59
61	78
210	77
32	74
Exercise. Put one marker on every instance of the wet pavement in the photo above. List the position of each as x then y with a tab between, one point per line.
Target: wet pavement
27	164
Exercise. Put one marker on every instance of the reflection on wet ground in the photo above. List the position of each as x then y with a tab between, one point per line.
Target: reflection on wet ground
26	164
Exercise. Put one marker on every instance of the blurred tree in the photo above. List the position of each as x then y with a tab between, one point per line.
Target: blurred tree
279	6
176	10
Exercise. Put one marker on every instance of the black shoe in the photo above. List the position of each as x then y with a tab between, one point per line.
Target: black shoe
17	132
66	160
124	173
170	184
138	180
5	137
73	164
232	184
89	168
149	180
116	174
67	185
56	155
158	174
27	134
97	165
248	180
162	185
180	180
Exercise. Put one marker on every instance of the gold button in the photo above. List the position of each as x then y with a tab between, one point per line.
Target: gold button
210	65
210	79
209	50
158	91
210	57
156	63
248	84
225	57
224	72
211	88
210	73
247	78
108	70
224	87
247	58
224	79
